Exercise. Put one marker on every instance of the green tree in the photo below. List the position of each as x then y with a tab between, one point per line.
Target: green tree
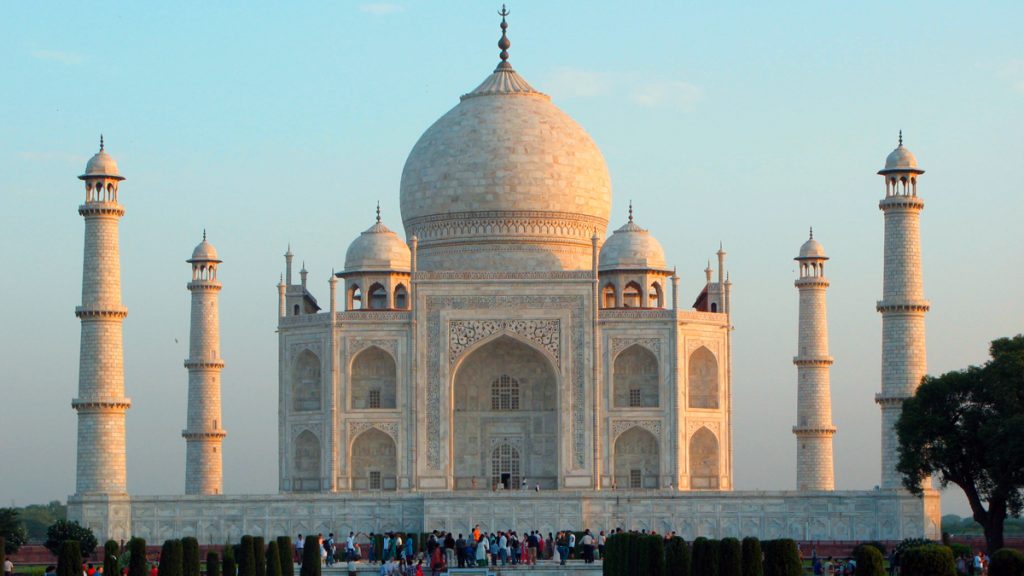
170	559
212	564
1007	562
111	551
310	557
190	562
967	427
752	561
928	560
62	531
273	560
284	549
69	558
38	517
137	561
259	555
677	557
730	557
12	530
228	562
869	560
247	557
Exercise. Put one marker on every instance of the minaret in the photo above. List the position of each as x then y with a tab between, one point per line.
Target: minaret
814	429
203	433
101	404
904	359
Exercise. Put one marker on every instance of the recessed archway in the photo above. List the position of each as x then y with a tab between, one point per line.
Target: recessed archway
306	463
373	461
703	460
637	459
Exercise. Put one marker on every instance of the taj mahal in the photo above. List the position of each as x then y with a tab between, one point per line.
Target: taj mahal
499	339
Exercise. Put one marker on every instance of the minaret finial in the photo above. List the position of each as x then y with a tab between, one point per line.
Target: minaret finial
378	211
812	232
204	234
504	43
630	210
101	142
901	137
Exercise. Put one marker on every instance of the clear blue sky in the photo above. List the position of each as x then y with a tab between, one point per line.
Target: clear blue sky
268	123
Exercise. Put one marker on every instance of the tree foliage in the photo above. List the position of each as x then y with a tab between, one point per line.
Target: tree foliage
259	555
170	559
12	530
228	566
752	561
38	517
212	564
190	562
730	557
247	557
1006	562
111	551
61	531
284	549
869	560
677	557
928	560
137	562
310	557
781	558
967	428
273	562
69	558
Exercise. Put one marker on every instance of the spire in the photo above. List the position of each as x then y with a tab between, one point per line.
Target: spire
378	211
901	137
812	233
504	43
101	142
204	234
630	210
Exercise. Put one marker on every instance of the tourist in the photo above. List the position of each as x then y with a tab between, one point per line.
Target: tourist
298	550
503	546
587	541
350	545
493	549
549	546
460	551
408	546
562	542
154	569
532	542
399	549
385	553
481	551
572	543
437	562
601	540
8	567
449	549
371	553
329	549
977	564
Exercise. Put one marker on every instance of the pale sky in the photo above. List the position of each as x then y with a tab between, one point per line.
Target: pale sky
269	123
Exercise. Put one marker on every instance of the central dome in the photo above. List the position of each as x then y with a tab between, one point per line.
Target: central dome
505	181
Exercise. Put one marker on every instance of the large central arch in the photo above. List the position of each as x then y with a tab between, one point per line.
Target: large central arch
505	398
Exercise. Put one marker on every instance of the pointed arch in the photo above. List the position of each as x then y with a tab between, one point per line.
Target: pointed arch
373	461
637	459
608	296
306	382
374	380
506	467
635	378
655	296
354	298
631	296
704	460
401	297
703	389
378	296
306	463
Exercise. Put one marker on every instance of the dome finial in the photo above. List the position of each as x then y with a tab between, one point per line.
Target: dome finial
812	233
504	43
204	234
378	211
901	137
101	142
630	210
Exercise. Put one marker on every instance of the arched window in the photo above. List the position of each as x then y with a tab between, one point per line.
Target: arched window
378	297
505	393
401	297
306	463
505	467
703	377
703	460
295	310
374	380
636	378
355	298
306	382
631	296
714	306
609	295
655	299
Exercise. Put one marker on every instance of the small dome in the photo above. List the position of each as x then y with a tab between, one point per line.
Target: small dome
900	159
378	249
101	165
204	252
812	249
632	248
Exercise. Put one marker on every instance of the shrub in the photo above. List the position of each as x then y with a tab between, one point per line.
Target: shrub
3	552
170	559
227	563
730	555
677	557
137	563
212	564
111	550
705	557
310	557
869	561
62	530
752	564
781	558
651	555
273	564
247	557
259	555
876	545
1006	562
908	543
927	560
190	557
69	559
284	549
960	550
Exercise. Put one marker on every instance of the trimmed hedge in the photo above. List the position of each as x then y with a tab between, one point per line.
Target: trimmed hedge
752	561
869	561
928	560
228	565
273	564
781	558
677	557
310	557
246	557
170	559
212	564
138	565
705	557
190	562
3	551
730	557
1006	562
285	550
259	555
69	560
111	550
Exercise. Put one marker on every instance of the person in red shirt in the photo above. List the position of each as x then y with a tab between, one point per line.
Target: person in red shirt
152	569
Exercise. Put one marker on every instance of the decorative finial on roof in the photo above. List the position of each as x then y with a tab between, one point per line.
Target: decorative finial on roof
378	211
204	234
504	43
630	210
901	137
101	142
812	232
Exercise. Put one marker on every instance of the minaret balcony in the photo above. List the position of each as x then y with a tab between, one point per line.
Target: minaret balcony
814	430
101	209
101	312
101	404
901	202
203	434
813	360
903	306
200	363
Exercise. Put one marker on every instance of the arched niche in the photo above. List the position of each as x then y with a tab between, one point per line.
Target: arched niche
704	460
306	382
655	296
378	297
306	463
481	421
703	389
373	461
374	381
632	296
635	373
401	297
637	459
608	296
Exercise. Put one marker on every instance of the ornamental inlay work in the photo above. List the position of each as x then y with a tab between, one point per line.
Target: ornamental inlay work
620	426
652	344
462	334
573	304
296	347
358	427
692	427
357	345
